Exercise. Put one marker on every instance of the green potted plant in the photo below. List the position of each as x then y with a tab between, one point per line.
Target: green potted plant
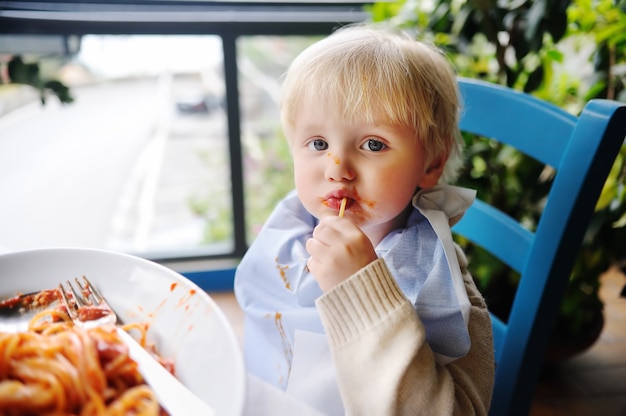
525	45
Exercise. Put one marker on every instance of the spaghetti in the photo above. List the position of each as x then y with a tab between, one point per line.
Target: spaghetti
59	368
342	209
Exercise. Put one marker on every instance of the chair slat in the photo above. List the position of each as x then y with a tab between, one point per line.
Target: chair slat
497	232
536	128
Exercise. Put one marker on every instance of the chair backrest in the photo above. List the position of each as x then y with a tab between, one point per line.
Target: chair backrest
582	150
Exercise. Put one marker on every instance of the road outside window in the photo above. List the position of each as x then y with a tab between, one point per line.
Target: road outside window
139	161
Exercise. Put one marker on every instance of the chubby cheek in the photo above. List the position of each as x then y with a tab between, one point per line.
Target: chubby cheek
302	187
391	192
305	174
304	180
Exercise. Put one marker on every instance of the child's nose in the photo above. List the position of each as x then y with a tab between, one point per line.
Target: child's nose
339	168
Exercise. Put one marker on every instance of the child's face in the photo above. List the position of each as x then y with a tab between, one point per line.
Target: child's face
377	167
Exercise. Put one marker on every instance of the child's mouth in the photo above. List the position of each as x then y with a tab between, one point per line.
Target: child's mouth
335	203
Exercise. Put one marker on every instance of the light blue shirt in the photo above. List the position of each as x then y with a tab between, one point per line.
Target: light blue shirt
278	294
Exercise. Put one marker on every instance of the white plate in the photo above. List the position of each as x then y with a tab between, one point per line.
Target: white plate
185	324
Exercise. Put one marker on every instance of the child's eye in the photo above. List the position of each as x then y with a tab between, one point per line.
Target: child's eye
318	145
374	145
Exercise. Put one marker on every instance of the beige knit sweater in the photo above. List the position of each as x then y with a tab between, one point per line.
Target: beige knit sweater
384	365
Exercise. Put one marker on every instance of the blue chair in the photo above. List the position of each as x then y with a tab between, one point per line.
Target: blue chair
582	150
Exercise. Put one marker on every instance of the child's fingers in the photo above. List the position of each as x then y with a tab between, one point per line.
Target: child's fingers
326	234
331	229
316	247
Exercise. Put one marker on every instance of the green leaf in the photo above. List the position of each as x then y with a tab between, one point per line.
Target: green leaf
610	187
533	20
558	19
22	73
534	79
60	90
621	222
555	55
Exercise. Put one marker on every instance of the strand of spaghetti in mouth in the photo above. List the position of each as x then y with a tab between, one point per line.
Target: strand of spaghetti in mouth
60	368
342	209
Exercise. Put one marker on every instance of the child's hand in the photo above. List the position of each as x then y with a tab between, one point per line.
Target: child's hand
338	249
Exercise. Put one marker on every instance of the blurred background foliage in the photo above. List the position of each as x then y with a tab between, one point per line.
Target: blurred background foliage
24	72
563	51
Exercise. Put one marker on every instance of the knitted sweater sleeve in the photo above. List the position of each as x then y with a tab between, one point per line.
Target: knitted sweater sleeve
384	365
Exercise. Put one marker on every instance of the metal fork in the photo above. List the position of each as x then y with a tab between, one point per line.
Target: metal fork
87	307
174	397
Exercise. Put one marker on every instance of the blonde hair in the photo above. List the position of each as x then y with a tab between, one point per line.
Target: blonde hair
366	70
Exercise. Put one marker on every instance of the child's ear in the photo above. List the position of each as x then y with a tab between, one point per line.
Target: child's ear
433	172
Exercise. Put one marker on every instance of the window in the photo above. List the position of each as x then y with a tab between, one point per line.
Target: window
138	162
262	60
172	148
